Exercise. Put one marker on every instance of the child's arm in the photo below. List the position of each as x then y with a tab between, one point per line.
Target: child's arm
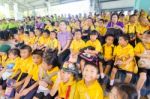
4	69
26	82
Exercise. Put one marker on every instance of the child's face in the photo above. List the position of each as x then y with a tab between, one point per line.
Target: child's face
37	59
146	38
93	37
101	23
62	26
133	19
65	76
90	73
109	40
122	41
45	35
24	53
12	56
37	32
31	34
78	35
114	94
46	66
52	35
114	18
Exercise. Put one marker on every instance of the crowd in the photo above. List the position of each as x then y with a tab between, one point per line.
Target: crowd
100	56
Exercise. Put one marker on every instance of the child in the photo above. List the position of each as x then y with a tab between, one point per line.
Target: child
124	59
66	82
3	54
23	66
43	41
76	45
53	42
98	49
123	91
13	58
108	49
30	84
88	87
32	38
47	75
38	33
26	37
142	52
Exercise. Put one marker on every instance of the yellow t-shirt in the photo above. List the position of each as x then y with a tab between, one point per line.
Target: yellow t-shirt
76	45
43	40
63	88
50	28
108	51
101	30
131	28
26	39
93	91
55	69
142	29
34	70
32	41
123	54
96	44
3	59
53	44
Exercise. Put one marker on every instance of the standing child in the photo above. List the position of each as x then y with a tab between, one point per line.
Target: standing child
108	49
88	87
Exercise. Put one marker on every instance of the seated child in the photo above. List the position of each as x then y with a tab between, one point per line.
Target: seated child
142	51
76	45
66	82
32	38
124	60
47	75
29	87
43	41
93	42
13	58
53	42
108	49
88	87
123	91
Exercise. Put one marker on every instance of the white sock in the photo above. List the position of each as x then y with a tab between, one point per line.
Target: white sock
139	94
102	75
111	82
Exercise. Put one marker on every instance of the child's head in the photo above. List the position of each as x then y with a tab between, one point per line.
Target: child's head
31	33
4	49
93	35
25	51
114	17
123	40
46	33
26	33
101	22
49	59
90	73
38	32
69	72
14	53
48	22
133	18
78	34
63	25
53	35
37	56
146	37
109	39
123	91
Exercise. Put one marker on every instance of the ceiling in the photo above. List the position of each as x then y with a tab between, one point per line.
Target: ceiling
32	4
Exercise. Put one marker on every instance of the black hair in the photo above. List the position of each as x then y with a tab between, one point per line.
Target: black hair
27	32
38	52
14	51
32	32
54	32
109	35
147	32
78	30
94	32
26	47
102	20
93	65
125	37
127	91
46	31
50	57
131	16
114	14
64	22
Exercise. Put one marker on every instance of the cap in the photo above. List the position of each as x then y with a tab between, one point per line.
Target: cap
4	48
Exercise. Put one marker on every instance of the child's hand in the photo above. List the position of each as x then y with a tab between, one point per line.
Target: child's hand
24	92
42	83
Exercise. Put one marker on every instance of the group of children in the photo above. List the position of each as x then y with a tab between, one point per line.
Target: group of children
78	59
